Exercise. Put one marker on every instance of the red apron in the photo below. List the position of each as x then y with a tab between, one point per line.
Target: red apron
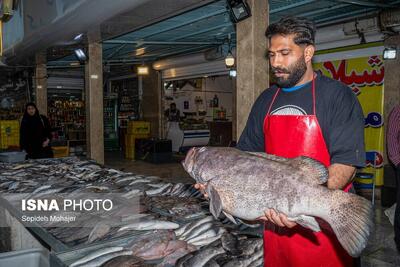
292	136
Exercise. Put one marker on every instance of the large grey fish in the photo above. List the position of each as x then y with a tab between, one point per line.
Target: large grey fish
244	185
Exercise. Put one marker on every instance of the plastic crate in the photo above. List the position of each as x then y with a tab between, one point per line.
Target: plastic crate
9	134
130	140
25	258
138	127
12	157
60	151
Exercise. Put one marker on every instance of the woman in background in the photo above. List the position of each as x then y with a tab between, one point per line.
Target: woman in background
35	133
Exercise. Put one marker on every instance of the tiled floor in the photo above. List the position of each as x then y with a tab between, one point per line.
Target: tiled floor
380	252
173	172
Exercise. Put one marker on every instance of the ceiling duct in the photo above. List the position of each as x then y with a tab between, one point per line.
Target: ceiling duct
390	19
365	26
214	53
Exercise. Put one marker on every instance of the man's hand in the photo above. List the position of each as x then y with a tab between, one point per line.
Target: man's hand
340	175
279	219
202	189
46	143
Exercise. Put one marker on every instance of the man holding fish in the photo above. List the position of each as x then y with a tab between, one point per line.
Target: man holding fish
304	114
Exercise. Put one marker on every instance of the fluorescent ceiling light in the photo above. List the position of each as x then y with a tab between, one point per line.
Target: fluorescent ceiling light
390	53
143	70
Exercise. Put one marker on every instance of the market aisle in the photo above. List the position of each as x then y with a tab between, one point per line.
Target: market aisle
173	172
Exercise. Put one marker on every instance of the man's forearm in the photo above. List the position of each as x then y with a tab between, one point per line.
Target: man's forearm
340	175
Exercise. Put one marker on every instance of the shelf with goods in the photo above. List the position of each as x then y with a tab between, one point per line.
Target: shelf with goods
110	124
11	114
67	118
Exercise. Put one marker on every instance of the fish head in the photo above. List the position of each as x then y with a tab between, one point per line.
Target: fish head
190	163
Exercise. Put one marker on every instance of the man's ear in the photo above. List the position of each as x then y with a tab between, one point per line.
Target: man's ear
309	53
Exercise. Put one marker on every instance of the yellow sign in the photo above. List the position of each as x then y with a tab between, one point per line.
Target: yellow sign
365	76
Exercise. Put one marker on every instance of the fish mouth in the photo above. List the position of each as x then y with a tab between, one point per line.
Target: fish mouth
188	162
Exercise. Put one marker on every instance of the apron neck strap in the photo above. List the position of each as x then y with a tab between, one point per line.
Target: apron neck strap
313	96
273	100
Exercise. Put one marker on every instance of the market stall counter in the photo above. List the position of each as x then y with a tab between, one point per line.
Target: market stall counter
150	223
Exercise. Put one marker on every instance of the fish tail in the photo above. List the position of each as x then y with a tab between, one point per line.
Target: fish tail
351	218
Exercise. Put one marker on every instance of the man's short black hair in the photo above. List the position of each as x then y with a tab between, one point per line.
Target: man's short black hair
302	28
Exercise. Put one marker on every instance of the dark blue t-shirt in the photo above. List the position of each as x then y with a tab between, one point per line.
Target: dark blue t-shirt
338	112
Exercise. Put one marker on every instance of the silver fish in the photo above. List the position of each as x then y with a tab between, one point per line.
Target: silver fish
132	193
193	225
212	263
257	263
95	255
181	261
199	230
150	225
245	262
100	230
203	256
207	234
170	260
159	190
140	181
105	258
249	246
133	217
182	229
126	179
124	261
256	182
208	240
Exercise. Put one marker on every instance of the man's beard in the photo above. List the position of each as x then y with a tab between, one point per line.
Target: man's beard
296	71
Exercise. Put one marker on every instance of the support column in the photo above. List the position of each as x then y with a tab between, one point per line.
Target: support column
252	66
41	82
150	101
94	103
391	83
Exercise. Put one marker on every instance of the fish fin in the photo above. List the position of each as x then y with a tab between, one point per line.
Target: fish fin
269	156
307	222
351	219
215	201
230	217
315	170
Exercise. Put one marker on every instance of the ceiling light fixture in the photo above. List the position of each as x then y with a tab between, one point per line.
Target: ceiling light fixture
78	37
390	53
229	59
140	51
80	55
239	10
143	70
